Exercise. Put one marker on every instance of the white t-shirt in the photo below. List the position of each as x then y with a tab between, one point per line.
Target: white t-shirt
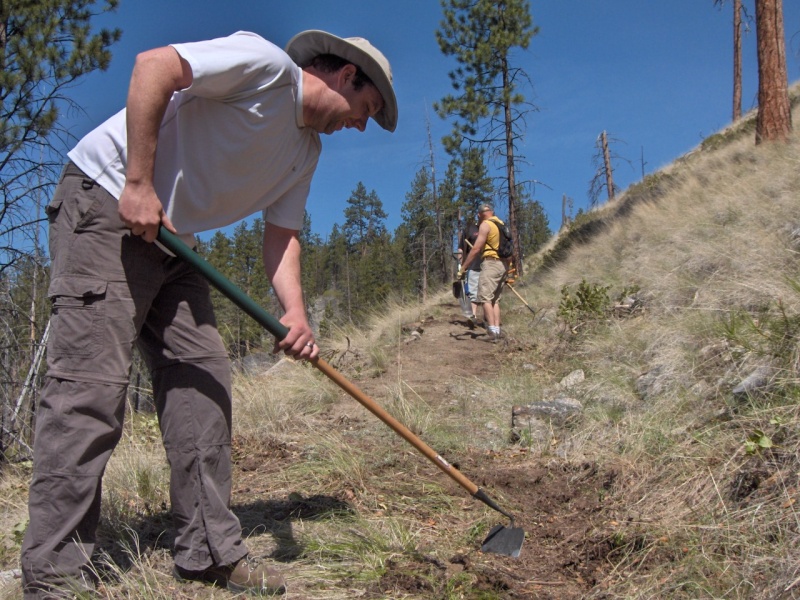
232	144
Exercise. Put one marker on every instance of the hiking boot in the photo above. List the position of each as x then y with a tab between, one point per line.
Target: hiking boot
247	575
472	323
81	587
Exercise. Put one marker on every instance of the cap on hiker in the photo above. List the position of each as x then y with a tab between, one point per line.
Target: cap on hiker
308	44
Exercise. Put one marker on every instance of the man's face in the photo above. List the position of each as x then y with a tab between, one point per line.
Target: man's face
350	108
485	214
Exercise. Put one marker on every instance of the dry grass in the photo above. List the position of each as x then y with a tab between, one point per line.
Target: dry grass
716	247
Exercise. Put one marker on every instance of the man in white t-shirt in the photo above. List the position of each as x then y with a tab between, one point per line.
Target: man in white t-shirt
212	132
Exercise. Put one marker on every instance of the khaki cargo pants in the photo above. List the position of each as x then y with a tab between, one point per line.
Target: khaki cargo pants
109	290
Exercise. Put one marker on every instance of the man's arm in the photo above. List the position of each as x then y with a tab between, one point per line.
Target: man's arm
156	75
282	264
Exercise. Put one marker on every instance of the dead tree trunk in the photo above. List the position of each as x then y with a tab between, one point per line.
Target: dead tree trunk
513	219
774	118
607	163
737	59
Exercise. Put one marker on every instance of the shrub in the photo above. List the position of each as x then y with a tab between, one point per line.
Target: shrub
589	303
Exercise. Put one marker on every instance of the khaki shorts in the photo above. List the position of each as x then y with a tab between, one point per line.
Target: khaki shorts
490	285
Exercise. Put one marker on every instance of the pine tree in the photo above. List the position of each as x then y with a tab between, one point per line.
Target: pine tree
453	211
364	226
374	274
240	260
474	184
419	217
534	226
487	108
336	250
364	218
774	117
405	273
248	274
311	261
45	47
20	341
218	251
336	268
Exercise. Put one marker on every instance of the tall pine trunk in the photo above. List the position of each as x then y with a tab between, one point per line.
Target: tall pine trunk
737	59
774	119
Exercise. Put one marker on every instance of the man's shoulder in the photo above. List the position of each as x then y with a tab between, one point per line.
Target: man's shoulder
237	67
242	46
261	44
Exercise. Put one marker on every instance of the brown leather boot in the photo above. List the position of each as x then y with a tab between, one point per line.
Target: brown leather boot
247	575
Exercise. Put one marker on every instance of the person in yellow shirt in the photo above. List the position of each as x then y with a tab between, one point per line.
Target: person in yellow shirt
493	268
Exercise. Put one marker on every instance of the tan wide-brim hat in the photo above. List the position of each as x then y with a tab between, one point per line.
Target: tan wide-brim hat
308	44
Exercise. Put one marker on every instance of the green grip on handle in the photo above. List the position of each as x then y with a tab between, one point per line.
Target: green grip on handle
175	245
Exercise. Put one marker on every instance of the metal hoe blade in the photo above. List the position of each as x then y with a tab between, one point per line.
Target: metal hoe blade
501	540
504	540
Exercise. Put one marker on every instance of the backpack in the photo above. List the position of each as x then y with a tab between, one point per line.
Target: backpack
506	245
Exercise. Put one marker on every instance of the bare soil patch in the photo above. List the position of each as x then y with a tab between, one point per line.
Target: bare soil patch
568	511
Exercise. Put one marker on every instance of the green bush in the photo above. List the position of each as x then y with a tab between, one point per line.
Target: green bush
590	302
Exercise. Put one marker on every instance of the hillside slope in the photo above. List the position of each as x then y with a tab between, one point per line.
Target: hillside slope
680	476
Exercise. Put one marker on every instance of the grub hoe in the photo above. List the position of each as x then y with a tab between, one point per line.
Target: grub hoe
516	293
501	540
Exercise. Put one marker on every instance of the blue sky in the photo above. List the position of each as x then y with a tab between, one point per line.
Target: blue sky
656	75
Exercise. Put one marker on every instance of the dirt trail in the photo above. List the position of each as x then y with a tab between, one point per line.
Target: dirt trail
560	506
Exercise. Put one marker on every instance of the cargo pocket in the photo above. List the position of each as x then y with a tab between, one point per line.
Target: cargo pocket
52	209
78	316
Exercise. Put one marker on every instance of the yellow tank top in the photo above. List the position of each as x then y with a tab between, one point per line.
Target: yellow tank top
492	240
